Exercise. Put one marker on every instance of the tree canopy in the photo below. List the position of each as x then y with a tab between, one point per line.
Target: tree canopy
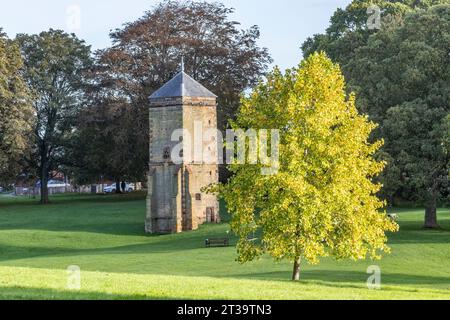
401	76
322	202
15	111
348	28
55	63
146	54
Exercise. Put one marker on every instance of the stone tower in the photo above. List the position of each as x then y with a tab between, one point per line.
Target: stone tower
175	201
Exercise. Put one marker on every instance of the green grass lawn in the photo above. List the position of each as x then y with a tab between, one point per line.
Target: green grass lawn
104	236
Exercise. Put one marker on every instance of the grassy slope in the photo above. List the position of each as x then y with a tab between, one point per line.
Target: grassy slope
104	236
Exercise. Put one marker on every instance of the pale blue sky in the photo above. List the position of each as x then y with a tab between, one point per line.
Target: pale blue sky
284	24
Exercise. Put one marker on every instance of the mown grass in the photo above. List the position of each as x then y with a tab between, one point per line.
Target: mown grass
104	236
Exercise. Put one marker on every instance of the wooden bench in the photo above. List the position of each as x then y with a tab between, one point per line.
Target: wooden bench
217	242
393	217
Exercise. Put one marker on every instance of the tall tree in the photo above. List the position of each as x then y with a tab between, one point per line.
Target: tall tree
54	66
402	78
103	146
147	53
322	200
398	66
349	28
16	114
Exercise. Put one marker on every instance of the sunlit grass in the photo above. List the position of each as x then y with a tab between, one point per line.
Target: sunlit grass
104	236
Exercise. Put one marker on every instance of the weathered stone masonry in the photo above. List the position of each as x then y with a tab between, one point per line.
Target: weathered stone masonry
175	202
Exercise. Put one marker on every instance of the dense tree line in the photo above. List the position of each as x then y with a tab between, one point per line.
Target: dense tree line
54	67
65	108
16	115
86	114
145	55
401	77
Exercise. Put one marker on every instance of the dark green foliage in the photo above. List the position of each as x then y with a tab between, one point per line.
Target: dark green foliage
145	55
55	63
16	116
402	79
401	76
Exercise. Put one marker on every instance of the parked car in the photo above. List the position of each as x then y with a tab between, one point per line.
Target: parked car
54	184
54	187
112	188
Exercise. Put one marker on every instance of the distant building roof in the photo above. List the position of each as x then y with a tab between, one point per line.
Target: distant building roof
182	85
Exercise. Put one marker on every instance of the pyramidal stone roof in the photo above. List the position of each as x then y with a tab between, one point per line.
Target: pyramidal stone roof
182	85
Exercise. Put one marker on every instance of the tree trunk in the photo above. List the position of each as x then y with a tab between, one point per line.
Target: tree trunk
118	187
296	272
44	171
44	184
431	217
431	211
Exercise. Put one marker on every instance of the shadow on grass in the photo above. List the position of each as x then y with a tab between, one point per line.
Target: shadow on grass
116	226
25	293
333	277
413	232
173	243
109	214
342	278
19	293
115	215
69	199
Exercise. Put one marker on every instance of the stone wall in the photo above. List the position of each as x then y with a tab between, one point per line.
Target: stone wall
175	201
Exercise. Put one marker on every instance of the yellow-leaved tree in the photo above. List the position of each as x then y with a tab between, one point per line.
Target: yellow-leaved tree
322	201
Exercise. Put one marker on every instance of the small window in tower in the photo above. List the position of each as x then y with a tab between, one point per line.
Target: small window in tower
166	154
198	196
